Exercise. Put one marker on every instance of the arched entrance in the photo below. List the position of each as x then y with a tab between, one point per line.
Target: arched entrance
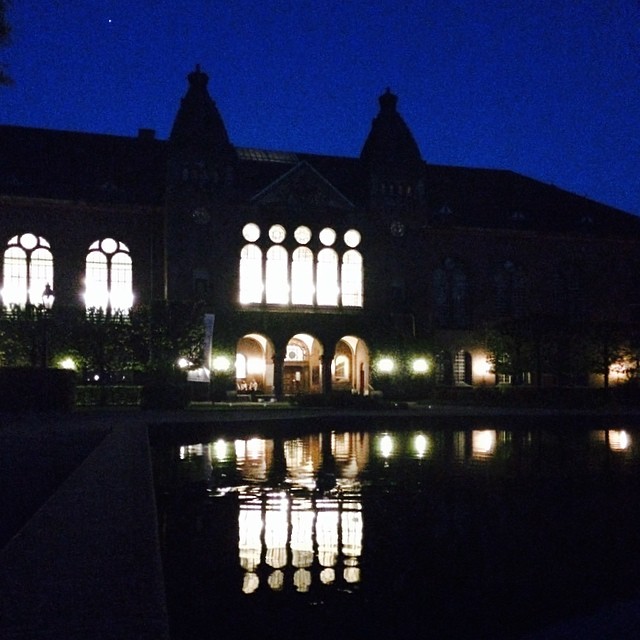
301	371
350	366
254	364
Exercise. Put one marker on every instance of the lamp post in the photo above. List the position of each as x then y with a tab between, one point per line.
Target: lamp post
47	302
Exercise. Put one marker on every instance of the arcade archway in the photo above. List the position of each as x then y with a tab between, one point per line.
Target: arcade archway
350	366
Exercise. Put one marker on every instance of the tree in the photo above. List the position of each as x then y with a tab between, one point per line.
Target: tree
5	39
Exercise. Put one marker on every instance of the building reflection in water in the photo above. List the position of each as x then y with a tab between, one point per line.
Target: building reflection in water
301	511
300	516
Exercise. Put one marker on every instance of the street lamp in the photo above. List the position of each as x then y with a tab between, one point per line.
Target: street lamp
48	297
47	302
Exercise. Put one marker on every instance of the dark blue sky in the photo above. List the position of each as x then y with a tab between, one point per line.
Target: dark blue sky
550	89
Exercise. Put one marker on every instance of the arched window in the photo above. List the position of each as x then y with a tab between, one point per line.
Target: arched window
277	275
27	270
510	287
351	279
108	276
302	288
462	368
250	274
270	273
327	277
569	284
451	295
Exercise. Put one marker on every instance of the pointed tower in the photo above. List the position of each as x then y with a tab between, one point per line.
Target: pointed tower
200	153
392	157
200	183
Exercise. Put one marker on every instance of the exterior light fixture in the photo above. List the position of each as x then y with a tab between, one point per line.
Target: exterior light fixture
183	363
420	365
386	365
221	363
68	363
48	297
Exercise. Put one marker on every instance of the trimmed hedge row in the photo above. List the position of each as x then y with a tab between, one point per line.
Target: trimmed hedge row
23	389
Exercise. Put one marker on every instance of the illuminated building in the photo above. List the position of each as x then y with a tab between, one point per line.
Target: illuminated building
314	266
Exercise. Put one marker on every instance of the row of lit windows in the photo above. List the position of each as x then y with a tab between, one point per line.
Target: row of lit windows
28	269
301	280
251	232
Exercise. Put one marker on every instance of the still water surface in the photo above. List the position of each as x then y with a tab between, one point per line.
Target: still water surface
471	531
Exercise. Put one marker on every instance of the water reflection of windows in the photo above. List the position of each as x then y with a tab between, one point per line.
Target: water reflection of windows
615	439
278	529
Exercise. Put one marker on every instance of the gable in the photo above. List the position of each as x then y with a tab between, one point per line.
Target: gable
303	186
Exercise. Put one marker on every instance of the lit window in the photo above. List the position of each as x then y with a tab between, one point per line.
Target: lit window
352	238
302	288
277	276
302	235
251	232
277	233
295	353
327	236
27	269
327	277
108	276
250	274
462	368
352	279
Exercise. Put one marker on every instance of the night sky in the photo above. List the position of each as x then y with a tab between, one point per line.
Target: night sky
547	88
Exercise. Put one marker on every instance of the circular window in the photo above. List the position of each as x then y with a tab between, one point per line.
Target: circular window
251	232
302	235
327	236
277	233
352	238
28	241
109	245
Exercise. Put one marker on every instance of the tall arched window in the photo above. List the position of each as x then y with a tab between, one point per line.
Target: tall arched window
250	274
327	277
277	280
451	295
108	276
351	279
510	288
302	288
27	270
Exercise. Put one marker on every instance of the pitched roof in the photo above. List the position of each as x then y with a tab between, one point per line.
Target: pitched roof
115	169
85	167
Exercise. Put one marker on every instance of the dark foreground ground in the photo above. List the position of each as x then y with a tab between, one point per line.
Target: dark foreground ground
79	550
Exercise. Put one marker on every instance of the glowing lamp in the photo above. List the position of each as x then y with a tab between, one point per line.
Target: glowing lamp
420	365
183	363
69	364
386	365
221	363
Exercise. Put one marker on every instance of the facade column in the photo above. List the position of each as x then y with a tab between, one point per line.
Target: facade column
278	372
325	360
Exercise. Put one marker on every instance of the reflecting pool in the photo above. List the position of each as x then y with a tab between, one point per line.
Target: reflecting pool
465	531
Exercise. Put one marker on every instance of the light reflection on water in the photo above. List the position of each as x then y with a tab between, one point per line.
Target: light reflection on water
430	517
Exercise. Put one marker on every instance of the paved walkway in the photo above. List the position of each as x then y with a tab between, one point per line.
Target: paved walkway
87	564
